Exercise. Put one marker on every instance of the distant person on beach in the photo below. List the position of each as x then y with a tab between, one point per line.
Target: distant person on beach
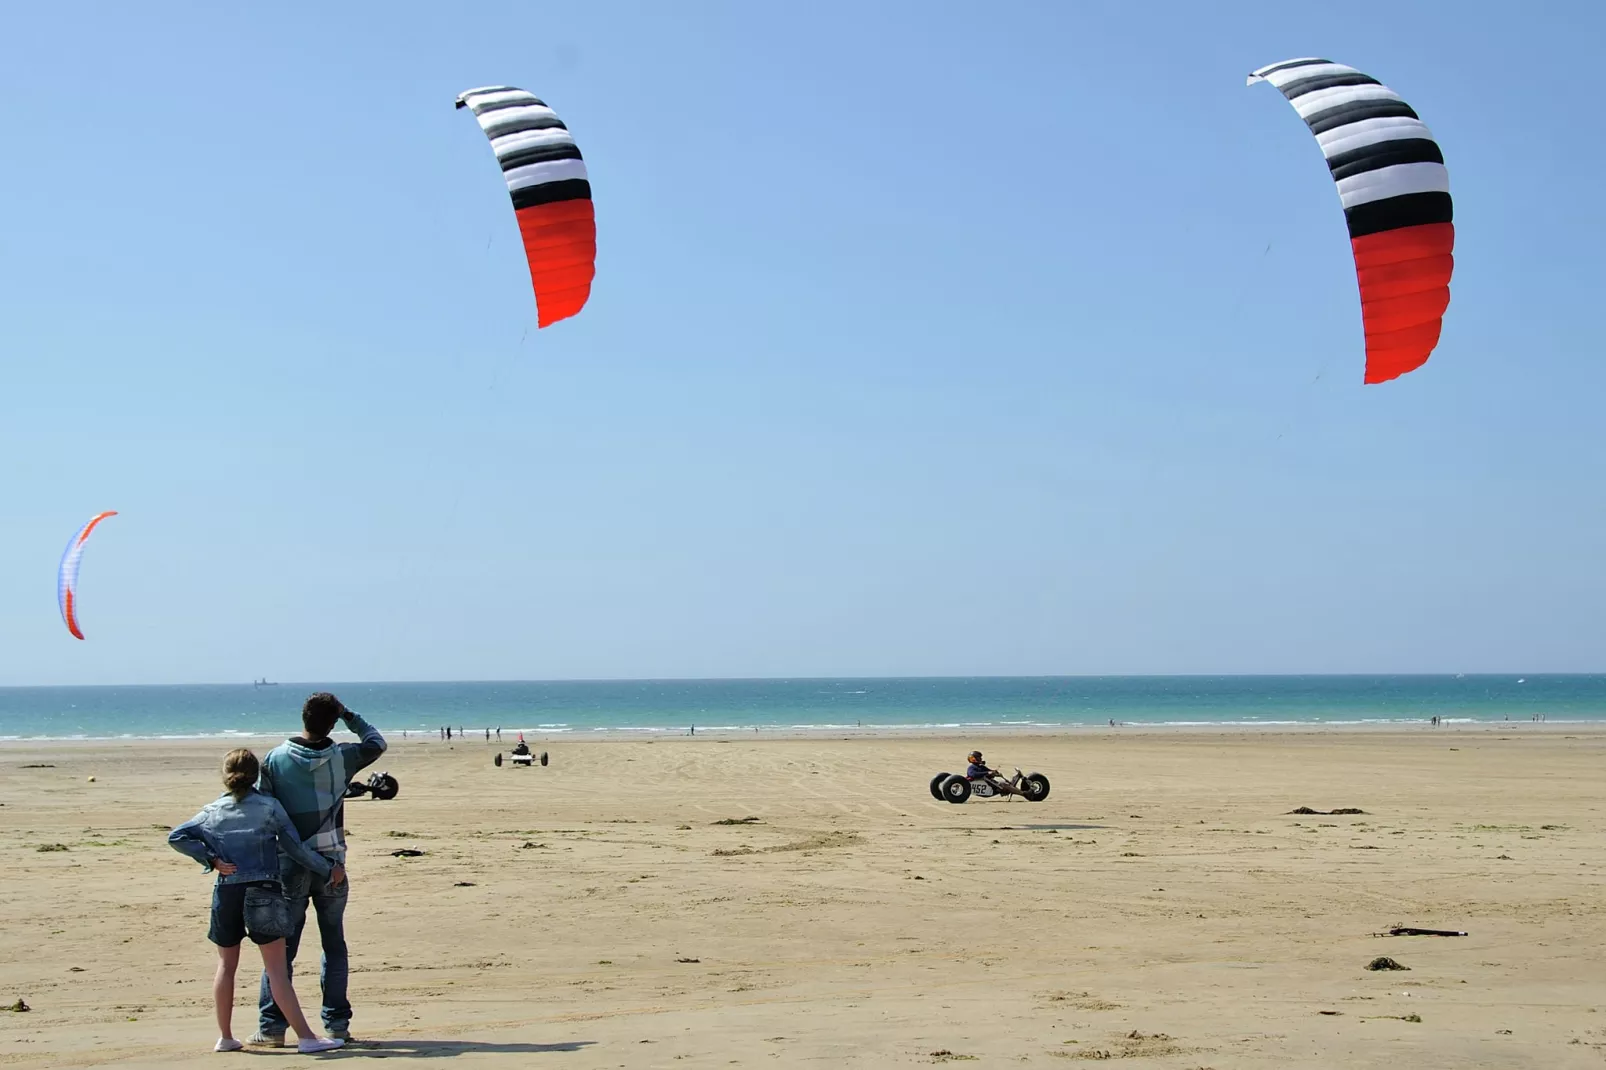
309	774
499	733
240	837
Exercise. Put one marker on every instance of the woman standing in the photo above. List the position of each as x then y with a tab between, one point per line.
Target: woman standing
238	836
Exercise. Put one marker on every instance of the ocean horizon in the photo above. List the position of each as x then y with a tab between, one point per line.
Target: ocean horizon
804	704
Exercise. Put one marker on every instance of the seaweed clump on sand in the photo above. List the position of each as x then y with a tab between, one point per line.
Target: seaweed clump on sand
1383	962
1342	810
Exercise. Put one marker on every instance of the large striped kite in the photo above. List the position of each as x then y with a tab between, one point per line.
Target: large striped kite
1396	197
551	195
67	577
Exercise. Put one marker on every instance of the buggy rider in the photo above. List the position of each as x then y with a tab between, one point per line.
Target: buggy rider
977	770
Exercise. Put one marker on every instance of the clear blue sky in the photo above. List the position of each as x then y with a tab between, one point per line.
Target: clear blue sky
926	338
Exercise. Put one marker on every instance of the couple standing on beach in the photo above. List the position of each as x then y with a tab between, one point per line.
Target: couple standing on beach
277	840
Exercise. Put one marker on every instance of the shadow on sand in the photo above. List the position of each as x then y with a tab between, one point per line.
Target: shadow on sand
446	1049
1032	828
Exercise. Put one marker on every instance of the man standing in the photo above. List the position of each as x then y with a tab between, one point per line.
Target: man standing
308	774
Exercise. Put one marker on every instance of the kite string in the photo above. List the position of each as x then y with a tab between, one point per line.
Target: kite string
1304	398
1249	282
405	630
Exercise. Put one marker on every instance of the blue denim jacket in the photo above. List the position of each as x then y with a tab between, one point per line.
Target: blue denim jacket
248	833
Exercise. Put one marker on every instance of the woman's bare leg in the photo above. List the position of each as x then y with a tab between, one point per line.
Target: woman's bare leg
228	960
284	994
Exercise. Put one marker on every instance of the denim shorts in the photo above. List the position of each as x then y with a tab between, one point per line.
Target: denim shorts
258	909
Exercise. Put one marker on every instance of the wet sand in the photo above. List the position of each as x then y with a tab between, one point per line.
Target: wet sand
1161	907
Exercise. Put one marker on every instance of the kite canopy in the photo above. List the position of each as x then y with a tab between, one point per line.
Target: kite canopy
67	577
1396	197
551	195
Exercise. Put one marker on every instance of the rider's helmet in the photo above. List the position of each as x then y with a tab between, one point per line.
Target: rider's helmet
974	757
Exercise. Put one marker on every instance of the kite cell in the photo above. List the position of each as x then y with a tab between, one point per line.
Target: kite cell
551	195
1396	197
67	578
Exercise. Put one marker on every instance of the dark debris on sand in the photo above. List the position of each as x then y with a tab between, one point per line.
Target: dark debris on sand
1341	811
1412	930
1383	962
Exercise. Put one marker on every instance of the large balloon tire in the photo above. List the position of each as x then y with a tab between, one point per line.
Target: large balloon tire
498	759
385	787
936	785
543	757
1035	787
956	789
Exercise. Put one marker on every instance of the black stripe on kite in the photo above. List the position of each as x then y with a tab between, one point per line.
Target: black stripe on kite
500	105
540	154
1383	154
568	189
1300	86
1290	65
519	126
1394	213
1358	110
462	101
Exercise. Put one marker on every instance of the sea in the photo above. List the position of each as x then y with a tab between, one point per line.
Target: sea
936	704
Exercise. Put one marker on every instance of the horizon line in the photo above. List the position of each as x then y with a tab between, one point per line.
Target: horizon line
811	677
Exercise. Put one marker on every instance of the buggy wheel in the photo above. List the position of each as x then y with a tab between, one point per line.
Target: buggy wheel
936	786
543	757
498	759
1035	787
956	789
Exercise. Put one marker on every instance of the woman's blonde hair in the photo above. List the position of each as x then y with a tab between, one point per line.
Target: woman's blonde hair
240	769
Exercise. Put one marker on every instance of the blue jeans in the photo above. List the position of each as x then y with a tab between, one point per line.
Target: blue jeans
300	885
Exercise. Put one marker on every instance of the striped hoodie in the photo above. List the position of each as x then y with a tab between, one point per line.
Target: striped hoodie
310	780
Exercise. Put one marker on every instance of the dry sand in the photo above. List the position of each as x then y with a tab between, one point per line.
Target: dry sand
1161	907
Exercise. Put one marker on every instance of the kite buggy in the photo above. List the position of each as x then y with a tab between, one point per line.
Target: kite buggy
521	755
985	783
381	786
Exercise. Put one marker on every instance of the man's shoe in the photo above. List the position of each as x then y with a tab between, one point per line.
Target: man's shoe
260	1039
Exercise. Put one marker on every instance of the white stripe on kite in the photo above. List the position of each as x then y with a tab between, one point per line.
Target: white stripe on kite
1396	181
538	174
1371	132
1322	99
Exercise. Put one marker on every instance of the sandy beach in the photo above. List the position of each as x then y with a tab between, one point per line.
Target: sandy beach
1161	907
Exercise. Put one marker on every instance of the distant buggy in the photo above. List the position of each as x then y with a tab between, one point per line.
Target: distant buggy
954	788
381	786
521	756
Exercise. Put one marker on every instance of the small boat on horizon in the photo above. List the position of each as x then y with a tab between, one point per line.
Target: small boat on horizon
264	682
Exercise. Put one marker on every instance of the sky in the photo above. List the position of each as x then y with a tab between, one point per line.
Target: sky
926	339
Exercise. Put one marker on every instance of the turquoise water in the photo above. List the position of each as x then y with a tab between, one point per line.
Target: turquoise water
792	705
